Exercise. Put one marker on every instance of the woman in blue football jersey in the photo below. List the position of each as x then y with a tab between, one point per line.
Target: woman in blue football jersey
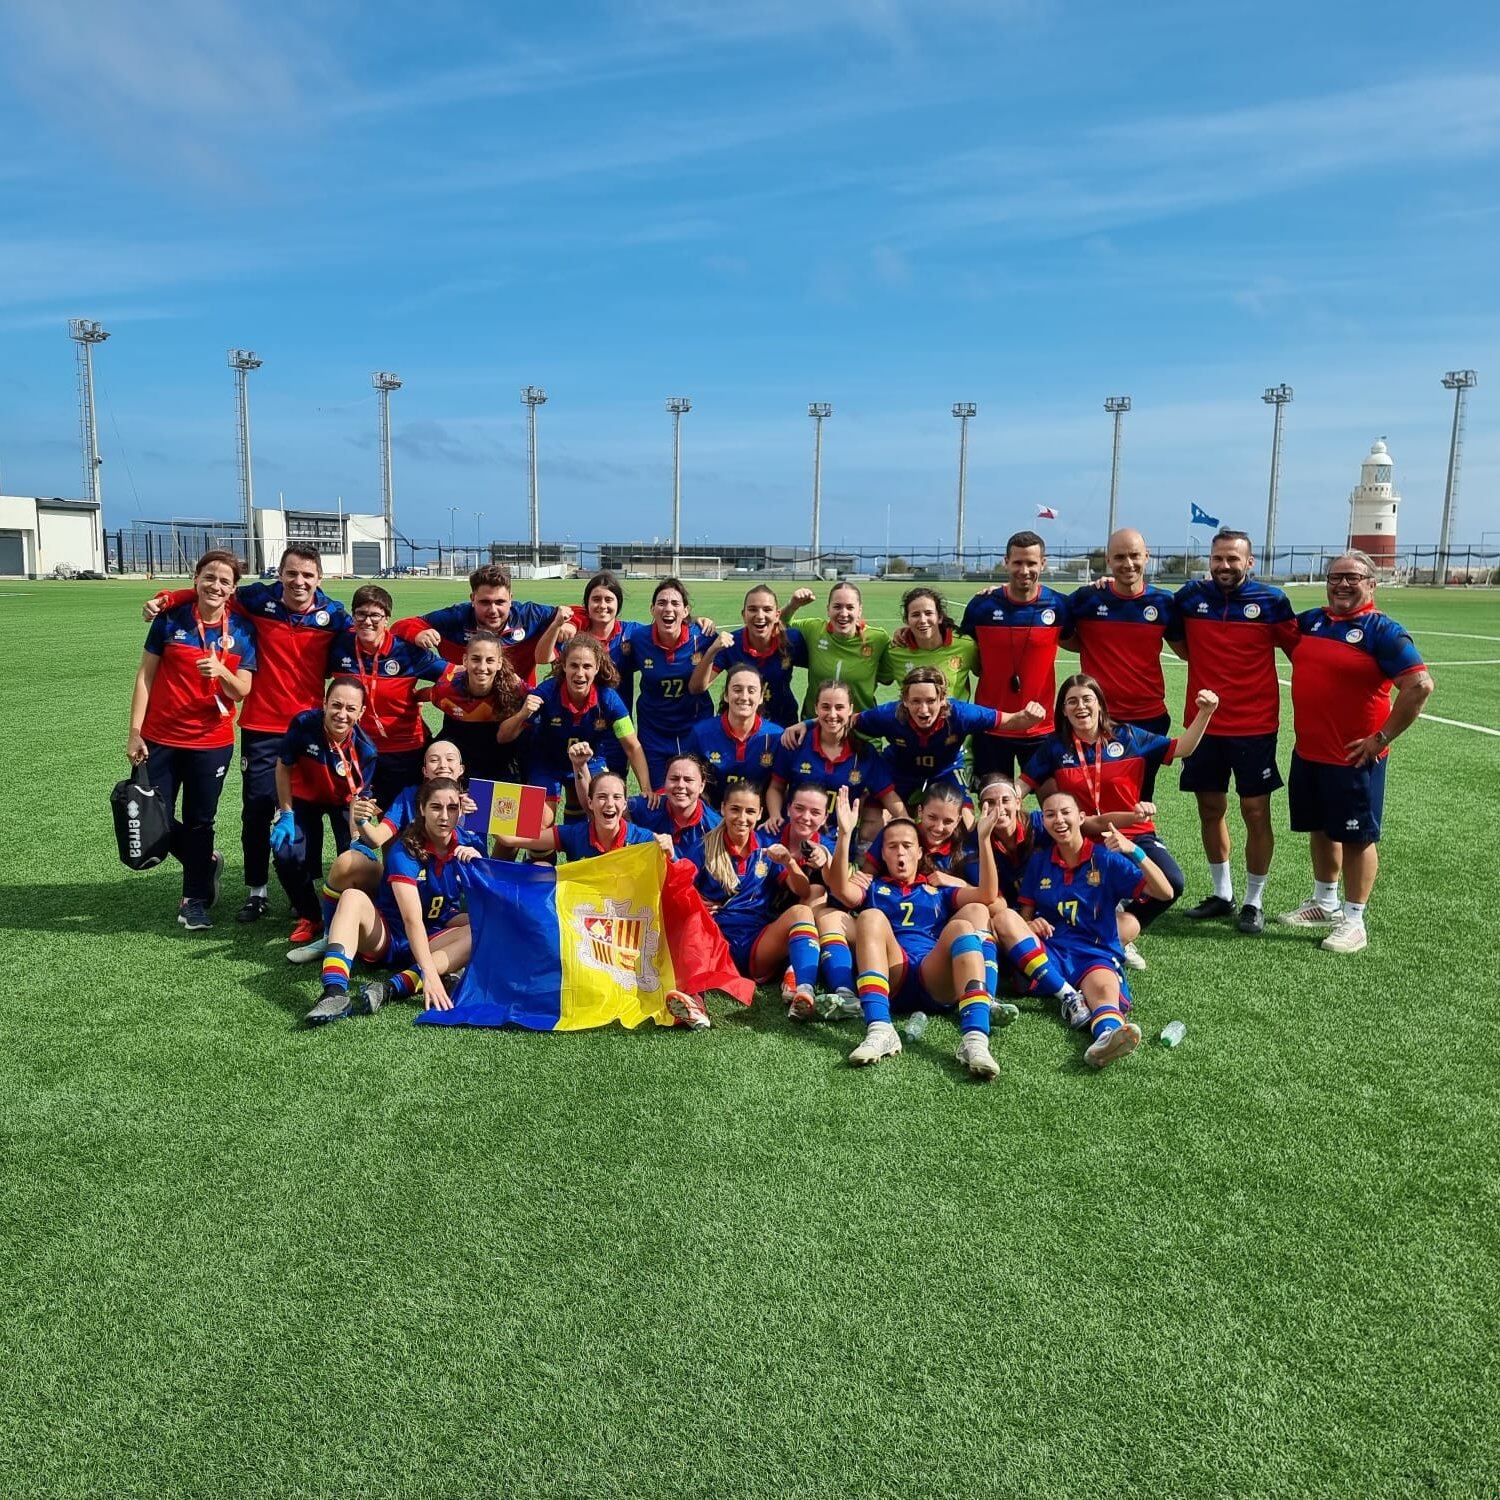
742	875
740	744
763	643
604	830
1069	894
416	923
939	820
680	812
826	752
576	705
664	655
916	942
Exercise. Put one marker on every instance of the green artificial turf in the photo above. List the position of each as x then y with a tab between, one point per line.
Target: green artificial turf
244	1259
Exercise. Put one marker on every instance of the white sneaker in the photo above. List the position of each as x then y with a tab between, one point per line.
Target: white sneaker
1310	914
1347	937
308	951
881	1040
1133	959
1120	1042
1075	1010
974	1053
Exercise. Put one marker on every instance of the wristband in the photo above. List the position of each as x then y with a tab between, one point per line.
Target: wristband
1137	855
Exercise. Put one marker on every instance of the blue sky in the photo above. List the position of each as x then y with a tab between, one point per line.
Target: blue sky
885	205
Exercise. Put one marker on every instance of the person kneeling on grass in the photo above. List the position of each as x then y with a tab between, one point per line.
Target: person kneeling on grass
1068	896
741	872
415	924
917	944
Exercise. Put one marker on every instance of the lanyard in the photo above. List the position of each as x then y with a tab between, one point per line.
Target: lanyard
345	762
213	650
368	681
1093	782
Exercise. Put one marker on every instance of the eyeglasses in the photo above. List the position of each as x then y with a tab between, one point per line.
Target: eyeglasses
369	614
1348	577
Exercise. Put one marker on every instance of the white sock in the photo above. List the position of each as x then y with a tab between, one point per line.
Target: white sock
1255	888
1354	912
1223	886
1326	894
258	890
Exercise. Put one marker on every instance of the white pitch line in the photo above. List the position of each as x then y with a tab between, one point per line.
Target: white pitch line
1458	635
1459	724
1488	661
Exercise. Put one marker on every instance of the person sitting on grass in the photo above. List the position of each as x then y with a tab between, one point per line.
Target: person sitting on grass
741	873
415	924
326	761
605	829
917	944
1068	896
938	814
359	867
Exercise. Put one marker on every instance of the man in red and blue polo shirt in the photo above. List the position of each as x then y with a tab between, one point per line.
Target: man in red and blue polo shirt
520	624
1017	629
1348	654
1232	625
296	624
1117	627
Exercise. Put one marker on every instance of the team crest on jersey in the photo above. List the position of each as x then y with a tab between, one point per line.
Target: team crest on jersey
1049	617
766	759
867	650
762	869
697	657
1355	636
1151	612
392	668
1114	749
855	778
321	618
1252	611
955	663
620	940
598	723
1093	877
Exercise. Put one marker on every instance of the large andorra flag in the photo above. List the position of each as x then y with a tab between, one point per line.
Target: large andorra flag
596	941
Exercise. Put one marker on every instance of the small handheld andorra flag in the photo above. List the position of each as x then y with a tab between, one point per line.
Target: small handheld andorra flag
505	807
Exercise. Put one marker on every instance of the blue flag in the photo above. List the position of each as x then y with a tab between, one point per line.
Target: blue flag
1201	517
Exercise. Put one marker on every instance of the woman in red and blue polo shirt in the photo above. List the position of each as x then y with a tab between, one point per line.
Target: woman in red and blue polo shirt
197	665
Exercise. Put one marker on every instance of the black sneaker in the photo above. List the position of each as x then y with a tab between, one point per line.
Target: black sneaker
194	916
1210	906
1252	920
213	899
333	1005
253	910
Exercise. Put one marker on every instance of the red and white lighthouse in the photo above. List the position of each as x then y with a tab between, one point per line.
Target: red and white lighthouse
1372	508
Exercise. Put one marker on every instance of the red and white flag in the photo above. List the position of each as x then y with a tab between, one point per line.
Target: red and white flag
1045	513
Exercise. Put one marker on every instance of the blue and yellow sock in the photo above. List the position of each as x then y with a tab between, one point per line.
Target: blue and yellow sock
974	1003
406	984
874	990
328	899
1033	965
1105	1018
335	968
837	961
802	950
991	963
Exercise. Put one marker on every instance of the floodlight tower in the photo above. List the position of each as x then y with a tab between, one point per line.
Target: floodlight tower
534	396
1117	406
1457	381
1277	396
384	383
86	332
963	410
677	405
817	410
242	361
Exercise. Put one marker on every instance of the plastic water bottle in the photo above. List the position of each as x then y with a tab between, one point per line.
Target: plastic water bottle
916	1024
1172	1033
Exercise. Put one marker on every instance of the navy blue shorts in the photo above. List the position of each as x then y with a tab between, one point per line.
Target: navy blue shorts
1343	802
1252	758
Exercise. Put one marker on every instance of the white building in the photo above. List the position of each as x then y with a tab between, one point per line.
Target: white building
350	545
37	534
1372	508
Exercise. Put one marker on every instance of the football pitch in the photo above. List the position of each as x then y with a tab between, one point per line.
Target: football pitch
246	1259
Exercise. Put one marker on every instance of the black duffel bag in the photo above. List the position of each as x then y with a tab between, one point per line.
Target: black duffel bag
143	827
